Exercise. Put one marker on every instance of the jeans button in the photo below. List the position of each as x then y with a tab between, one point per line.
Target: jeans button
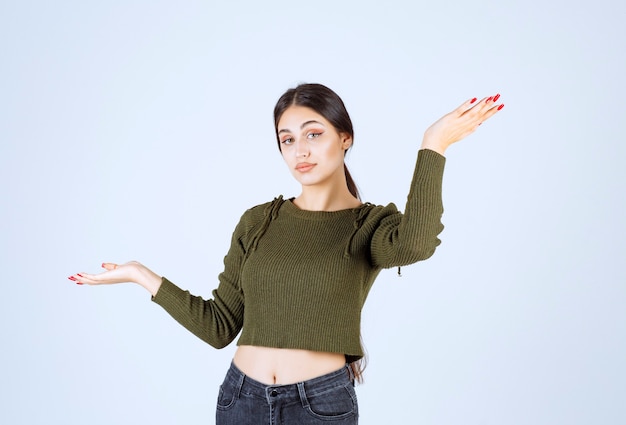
274	393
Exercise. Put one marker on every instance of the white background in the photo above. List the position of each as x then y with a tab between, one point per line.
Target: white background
143	129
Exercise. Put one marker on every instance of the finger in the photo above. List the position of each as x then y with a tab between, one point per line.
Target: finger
82	278
463	107
76	278
492	111
479	107
109	266
486	108
91	279
488	102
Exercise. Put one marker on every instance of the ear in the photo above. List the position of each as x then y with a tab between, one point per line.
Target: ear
346	141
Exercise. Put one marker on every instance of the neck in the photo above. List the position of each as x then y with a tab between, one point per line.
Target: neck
314	198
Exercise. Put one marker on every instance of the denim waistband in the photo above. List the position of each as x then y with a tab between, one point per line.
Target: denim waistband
290	392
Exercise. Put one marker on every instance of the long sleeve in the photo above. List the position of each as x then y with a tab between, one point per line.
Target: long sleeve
402	239
216	321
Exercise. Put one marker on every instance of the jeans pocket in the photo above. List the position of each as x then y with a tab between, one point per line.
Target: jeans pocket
227	396
338	403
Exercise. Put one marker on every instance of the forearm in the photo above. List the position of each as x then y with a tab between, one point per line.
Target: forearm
421	221
402	239
216	321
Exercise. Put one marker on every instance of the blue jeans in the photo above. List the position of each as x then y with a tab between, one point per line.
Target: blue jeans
327	399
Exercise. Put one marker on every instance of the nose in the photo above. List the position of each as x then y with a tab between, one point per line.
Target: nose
302	148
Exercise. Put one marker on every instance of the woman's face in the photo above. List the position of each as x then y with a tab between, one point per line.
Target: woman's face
311	147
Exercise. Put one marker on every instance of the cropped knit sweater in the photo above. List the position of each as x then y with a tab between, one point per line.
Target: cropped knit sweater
299	279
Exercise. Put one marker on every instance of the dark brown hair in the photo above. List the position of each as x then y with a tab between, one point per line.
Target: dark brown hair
325	102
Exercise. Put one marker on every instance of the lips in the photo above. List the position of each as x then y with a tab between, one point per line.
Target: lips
303	167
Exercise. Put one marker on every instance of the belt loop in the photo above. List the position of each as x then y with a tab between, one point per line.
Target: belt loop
241	377
303	398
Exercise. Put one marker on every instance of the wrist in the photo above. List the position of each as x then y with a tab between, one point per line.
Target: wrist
147	279
433	145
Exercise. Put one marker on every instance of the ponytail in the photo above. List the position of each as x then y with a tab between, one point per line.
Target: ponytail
357	368
351	184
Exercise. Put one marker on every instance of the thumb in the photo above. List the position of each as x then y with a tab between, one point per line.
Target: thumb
109	266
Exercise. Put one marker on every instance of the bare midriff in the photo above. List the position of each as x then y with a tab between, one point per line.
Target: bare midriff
281	366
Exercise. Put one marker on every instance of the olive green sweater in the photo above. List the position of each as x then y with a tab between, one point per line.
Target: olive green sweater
298	279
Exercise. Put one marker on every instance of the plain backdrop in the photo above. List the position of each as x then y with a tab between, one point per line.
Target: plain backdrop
143	129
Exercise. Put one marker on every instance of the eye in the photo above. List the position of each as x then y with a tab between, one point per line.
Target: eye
287	141
313	135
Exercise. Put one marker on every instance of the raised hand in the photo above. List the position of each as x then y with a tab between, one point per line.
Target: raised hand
460	123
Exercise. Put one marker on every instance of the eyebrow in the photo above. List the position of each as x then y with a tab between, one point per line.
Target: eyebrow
304	124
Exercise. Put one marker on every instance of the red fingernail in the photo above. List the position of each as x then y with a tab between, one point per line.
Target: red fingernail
72	278
78	283
496	97
102	265
501	106
78	274
473	100
488	99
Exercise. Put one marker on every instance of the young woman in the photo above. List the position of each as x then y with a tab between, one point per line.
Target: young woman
298	270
